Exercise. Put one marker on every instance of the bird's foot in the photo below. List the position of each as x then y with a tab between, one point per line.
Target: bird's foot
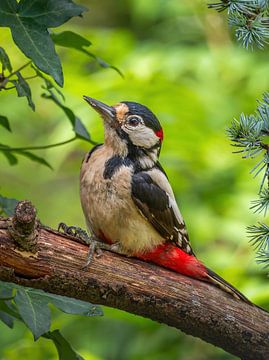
96	247
76	232
95	244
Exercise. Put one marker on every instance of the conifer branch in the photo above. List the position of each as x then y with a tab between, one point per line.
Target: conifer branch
249	18
250	134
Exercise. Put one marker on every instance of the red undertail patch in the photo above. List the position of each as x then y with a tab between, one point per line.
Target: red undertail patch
173	258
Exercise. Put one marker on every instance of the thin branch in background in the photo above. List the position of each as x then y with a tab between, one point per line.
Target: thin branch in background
6	79
19	69
41	147
30	77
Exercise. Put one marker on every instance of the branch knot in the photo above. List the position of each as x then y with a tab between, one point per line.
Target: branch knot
23	227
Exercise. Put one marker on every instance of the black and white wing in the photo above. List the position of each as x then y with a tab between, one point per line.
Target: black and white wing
159	207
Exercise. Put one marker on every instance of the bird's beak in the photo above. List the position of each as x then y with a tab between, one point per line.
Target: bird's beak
107	112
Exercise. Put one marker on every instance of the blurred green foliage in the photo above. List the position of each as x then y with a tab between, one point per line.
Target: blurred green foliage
178	58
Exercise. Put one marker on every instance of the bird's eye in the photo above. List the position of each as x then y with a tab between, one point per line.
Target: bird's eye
134	120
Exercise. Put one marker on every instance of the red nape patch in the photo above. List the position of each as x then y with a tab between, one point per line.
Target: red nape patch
173	258
105	239
159	133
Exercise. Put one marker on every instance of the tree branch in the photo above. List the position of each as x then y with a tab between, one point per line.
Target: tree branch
192	306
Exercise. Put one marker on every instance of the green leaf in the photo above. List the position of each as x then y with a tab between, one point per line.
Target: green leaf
7	10
7	205
35	42
70	39
48	84
23	89
29	20
4	122
11	158
6	319
69	305
6	292
32	38
78	126
81	130
6	286
50	13
9	310
4	59
74	306
8	154
34	158
34	311
64	349
69	113
104	64
7	306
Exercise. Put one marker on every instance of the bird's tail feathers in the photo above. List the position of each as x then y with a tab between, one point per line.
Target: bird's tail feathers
224	285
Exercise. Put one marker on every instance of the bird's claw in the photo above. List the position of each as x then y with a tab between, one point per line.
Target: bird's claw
94	249
95	245
76	232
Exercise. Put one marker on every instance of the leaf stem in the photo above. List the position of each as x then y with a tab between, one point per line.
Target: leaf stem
7	79
9	88
30	77
38	147
19	69
27	78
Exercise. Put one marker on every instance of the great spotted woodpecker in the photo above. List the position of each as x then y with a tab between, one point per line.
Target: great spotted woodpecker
127	199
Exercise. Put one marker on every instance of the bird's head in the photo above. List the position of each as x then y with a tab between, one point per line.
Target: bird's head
131	125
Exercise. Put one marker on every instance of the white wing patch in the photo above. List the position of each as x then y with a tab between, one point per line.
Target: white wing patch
173	205
161	180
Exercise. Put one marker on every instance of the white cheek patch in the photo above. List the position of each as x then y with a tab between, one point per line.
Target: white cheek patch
142	136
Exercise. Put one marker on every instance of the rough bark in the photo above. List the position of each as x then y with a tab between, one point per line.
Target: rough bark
194	307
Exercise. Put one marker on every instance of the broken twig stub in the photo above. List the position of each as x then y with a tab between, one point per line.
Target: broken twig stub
23	227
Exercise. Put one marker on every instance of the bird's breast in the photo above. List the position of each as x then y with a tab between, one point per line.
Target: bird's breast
108	207
105	201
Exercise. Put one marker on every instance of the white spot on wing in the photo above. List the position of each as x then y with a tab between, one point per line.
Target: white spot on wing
146	162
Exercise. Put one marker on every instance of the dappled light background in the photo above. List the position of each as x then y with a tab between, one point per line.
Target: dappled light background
180	60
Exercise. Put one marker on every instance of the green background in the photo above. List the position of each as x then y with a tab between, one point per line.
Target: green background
180	60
